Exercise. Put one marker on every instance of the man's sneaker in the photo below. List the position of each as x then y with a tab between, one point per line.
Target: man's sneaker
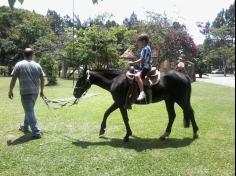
23	129
141	96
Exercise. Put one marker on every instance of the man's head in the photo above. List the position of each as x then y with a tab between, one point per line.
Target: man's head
181	67
28	53
142	40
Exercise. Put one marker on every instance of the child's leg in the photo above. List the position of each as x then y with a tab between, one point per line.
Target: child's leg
140	81
142	94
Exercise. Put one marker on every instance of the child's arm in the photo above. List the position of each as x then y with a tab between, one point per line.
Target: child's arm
135	62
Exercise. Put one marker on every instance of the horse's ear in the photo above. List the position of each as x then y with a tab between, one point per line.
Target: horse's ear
85	69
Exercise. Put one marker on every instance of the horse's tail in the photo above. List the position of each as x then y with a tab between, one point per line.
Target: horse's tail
189	111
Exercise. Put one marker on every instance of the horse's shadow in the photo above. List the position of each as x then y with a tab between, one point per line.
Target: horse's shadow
137	143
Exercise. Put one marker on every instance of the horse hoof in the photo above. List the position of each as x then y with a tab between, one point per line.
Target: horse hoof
165	136
195	135
102	132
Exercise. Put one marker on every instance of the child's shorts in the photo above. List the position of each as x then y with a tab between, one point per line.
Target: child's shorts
144	72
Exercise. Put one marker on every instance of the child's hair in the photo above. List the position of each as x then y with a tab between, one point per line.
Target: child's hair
143	37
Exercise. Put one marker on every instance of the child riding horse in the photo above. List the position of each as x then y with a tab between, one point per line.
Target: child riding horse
145	61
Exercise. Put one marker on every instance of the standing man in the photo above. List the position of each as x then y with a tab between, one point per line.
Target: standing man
31	78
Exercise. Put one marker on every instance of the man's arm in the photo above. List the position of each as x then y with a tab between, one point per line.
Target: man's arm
12	85
42	83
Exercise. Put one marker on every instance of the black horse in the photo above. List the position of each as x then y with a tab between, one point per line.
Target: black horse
174	87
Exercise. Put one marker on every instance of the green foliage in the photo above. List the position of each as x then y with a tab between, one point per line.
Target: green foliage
201	61
131	22
220	43
7	52
19	29
122	64
49	52
224	54
55	21
50	66
99	46
29	30
172	39
12	2
124	37
45	54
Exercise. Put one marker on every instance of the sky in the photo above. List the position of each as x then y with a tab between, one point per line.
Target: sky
187	12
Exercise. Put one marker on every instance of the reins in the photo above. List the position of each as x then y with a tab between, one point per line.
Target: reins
70	101
60	102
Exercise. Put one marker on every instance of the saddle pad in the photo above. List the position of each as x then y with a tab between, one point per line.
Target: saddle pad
149	81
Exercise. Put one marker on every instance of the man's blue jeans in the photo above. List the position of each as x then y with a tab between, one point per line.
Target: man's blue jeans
28	102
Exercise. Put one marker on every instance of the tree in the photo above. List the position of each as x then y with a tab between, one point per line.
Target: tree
224	56
220	41
46	54
201	61
171	39
19	29
103	20
56	21
95	46
77	22
68	22
12	2
7	52
111	23
124	38
179	43
131	22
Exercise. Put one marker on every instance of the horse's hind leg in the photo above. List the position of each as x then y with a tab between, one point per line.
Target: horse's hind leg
194	124
171	114
124	114
189	117
106	115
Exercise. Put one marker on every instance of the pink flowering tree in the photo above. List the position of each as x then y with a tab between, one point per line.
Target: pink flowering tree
179	43
204	27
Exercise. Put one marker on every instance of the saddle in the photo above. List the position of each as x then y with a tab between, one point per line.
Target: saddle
152	78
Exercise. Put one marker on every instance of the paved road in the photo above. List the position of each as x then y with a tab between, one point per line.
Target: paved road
219	79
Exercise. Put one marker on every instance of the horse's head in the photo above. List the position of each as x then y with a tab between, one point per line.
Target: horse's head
83	83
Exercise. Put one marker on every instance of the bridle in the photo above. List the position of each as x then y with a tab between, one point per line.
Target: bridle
87	82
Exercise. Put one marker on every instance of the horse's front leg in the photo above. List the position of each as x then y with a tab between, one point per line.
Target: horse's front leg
125	117
106	115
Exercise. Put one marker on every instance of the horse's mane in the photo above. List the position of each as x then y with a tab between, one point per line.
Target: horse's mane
109	73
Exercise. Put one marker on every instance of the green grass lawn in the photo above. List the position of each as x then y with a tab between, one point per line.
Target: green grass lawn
70	145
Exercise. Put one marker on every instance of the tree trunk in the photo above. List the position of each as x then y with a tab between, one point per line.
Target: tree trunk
224	67
64	69
200	75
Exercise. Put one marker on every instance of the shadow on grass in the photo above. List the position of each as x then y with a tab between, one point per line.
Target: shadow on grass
21	140
137	143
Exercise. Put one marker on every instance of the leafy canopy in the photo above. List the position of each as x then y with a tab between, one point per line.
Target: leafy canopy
12	2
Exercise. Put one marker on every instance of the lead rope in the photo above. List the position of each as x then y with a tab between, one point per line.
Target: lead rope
45	101
61	103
